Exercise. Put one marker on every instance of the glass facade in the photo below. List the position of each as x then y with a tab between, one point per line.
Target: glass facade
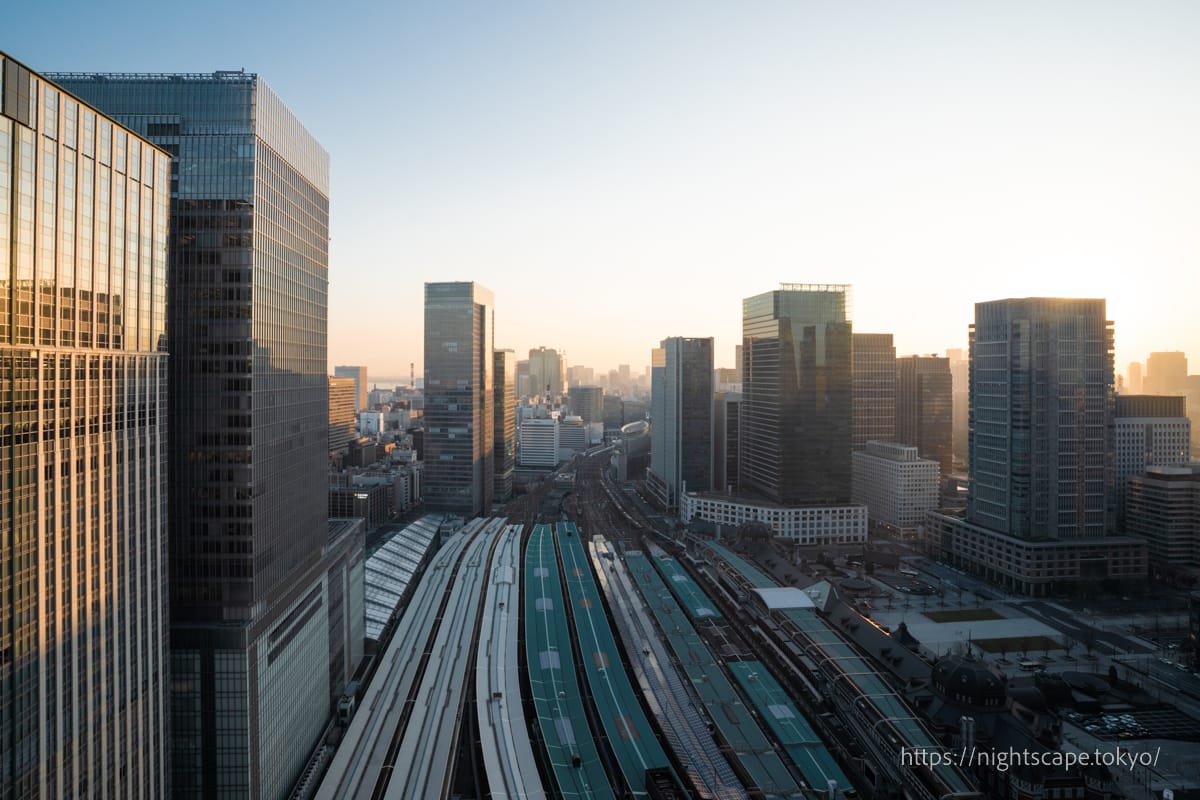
796	409
681	418
505	419
925	407
459	398
874	389
83	449
249	425
1041	422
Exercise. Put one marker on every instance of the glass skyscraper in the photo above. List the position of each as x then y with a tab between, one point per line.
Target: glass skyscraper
796	412
249	423
83	449
681	418
459	398
504	424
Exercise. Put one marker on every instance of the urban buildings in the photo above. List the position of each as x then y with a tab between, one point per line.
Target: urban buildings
539	442
1148	431
83	376
547	372
806	526
459	398
681	426
1133	384
727	408
586	402
925	407
1040	508
504	433
359	376
874	389
1163	508
896	485
249	415
796	408
960	371
342	417
1166	373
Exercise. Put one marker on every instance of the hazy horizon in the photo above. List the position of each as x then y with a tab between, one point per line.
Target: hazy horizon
620	174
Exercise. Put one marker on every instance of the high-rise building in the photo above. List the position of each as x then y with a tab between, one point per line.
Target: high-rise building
925	407
797	395
874	392
539	442
359	375
681	428
459	398
504	437
896	485
586	402
960	371
1041	500
342	416
1149	431
1133	384
248	425
547	372
1166	373
726	411
524	381
83	376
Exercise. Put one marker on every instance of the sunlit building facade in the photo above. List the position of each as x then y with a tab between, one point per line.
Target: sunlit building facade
874	389
249	423
84	208
341	412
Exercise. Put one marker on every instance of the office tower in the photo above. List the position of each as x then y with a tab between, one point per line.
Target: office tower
796	394
960	370
524	381
1041	500
249	420
1163	508
587	402
925	407
459	398
539	442
896	485
83	377
342	416
726	410
547	372
1148	431
1166	373
874	389
359	374
681	393
504	416
737	361
1133	384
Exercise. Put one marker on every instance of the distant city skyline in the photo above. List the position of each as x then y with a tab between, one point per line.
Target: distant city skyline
661	162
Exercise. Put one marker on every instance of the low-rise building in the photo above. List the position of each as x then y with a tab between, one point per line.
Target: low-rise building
1163	508
803	525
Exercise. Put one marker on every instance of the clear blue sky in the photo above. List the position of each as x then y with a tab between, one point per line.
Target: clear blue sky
619	172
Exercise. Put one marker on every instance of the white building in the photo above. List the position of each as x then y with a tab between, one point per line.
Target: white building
804	525
572	437
895	484
370	423
1149	431
539	443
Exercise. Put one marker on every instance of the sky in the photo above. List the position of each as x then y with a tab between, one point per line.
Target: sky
621	172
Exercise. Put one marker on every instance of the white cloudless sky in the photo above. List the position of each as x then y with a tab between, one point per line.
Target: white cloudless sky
621	172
